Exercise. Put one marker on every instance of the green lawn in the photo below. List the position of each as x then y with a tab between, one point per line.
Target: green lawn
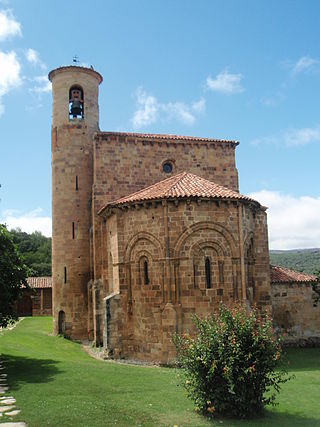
57	384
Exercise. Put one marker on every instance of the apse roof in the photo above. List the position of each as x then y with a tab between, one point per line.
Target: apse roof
284	275
184	185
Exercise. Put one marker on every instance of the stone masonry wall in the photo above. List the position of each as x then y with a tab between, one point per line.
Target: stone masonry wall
125	164
175	239
42	302
294	313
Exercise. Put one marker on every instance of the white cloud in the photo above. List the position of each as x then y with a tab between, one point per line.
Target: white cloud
34	58
302	136
199	106
293	222
42	85
273	100
303	64
178	110
226	83
8	25
147	111
150	110
10	77
291	137
28	221
9	72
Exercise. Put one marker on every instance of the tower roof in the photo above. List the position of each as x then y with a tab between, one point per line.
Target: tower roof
75	68
182	186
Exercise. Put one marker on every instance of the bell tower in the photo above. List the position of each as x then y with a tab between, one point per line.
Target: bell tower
75	118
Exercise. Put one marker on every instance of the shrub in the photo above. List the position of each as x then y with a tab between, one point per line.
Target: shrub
229	366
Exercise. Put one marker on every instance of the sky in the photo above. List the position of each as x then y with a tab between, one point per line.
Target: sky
242	70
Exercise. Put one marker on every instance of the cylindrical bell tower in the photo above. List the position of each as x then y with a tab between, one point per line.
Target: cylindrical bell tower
75	118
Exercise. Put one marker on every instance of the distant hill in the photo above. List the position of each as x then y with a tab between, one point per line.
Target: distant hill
304	260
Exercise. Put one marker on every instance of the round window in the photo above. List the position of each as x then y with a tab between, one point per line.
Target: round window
167	167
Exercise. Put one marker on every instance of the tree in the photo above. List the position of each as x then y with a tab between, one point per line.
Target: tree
35	250
231	366
316	289
13	274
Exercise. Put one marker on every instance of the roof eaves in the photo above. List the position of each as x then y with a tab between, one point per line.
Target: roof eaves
109	207
164	137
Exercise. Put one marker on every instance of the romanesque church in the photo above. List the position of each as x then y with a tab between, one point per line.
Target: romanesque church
148	229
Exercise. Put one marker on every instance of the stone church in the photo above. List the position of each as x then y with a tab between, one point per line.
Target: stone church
148	229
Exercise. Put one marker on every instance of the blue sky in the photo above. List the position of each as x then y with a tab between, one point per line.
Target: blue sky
244	70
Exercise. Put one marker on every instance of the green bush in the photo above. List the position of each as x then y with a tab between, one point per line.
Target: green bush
229	366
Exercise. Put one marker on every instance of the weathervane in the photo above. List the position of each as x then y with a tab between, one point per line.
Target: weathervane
76	59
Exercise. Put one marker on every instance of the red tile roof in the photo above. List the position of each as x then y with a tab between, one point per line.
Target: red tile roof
183	185
166	137
284	275
39	282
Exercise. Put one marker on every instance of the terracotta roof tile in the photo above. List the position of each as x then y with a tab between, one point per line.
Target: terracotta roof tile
183	185
166	137
39	282
284	275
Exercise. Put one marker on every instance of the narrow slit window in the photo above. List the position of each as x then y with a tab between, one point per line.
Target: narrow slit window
145	272
77	187
65	275
73	230
208	273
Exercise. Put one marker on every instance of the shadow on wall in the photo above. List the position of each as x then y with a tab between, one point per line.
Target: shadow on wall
22	370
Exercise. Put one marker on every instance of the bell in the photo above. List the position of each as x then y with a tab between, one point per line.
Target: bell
76	108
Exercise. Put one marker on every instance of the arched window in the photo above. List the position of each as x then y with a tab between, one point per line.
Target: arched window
208	273
145	273
76	102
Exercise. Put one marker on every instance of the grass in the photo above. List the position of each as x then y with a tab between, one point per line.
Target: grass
56	383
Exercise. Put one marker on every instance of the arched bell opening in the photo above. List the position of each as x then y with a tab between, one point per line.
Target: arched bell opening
76	102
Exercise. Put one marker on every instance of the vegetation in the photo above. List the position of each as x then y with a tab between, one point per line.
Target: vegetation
316	289
13	273
35	250
229	366
303	260
56	383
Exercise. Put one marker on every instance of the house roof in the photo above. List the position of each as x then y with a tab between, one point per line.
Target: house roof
39	282
181	186
284	275
157	136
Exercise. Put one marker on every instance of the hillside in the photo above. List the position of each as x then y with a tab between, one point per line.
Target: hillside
304	260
